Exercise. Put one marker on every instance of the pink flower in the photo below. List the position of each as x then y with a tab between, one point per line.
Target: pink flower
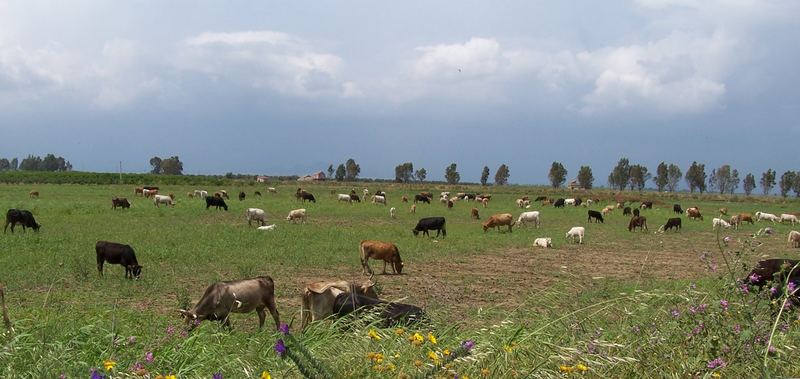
716	363
724	304
148	357
754	278
675	313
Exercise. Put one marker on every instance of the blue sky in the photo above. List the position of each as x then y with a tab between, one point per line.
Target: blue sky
290	87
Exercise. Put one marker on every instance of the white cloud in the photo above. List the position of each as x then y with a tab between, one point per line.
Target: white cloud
241	38
477	58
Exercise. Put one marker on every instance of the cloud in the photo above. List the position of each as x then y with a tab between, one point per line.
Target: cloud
476	58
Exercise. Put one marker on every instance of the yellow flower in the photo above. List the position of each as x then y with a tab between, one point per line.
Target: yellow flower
370	355
397	355
716	375
265	375
507	348
581	367
464	376
109	364
417	339
399	331
391	366
418	363
446	352
565	369
170	377
374	335
485	372
432	338
432	356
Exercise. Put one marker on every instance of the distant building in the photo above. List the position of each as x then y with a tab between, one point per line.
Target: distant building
573	185
262	179
319	175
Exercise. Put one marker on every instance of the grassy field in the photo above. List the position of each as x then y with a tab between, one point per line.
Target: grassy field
608	306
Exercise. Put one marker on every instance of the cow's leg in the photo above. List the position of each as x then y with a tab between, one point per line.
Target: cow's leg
384	267
100	261
262	315
273	311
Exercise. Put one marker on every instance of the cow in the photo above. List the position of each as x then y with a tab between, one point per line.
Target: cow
540	198
794	238
117	253
746	217
378	199
637	222
305	196
345	197
404	199
223	194
718	222
22	217
767	216
485	202
770	270
242	195
569	201
149	192
677	208
789	217
520	203
257	193
150	188
162	199
646	205
532	217
319	297
473	213
635	212
576	231
674	222
190	195
449	204
392	212
138	191
607	209
379	250
559	203
543	242
354	197
723	211
237	296
33	194
390	313
272	190
255	214
216	201
297	214
626	211
597	216
120	202
694	213
578	201
203	194
430	223
498	220
413	208
424	199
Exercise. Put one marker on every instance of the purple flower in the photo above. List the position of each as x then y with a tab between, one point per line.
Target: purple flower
787	306
591	348
217	375
170	330
791	287
773	291
97	375
137	366
784	328
716	363
693	286
702	308
771	349
724	304
737	328
754	277
62	376
675	313
148	357
196	322
468	345
744	289
713	267
280	348
284	329
698	329
184	333
636	329
692	310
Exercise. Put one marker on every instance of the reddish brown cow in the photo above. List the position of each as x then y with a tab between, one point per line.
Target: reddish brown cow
385	251
694	213
474	213
498	220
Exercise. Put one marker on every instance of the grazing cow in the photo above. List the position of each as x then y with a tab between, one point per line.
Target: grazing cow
190	195
767	216
272	190
162	199
392	212
597	216
474	213
424	199
559	203
723	211
203	194
485	202
694	213
789	217
746	217
607	209
626	211
196	193
449	204
569	201
718	222
117	253
532	217
255	214
297	214
318	298
33	194
770	270
646	205
520	203
257	193
242	195
22	217
413	208
345	197
354	197
120	202
404	199
637	222
267	227
430	223
674	222
677	208
794	238
576	231
216	201
138	191
223	194
149	192
391	313
378	199
379	250
498	220
543	242
307	196
237	296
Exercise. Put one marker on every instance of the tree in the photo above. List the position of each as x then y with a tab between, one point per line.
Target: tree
674	176
330	171
352	170
557	175
404	172
696	177
155	162
485	175
451	175
585	177
749	184
638	177
796	185
662	176
787	182
5	165
14	164
620	175
31	163
502	174
421	174
723	179
341	172
172	166
768	181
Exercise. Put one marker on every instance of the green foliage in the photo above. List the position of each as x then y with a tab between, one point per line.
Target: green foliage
502	175
485	175
331	170
451	175
787	182
724	180
421	174
352	170
638	177
36	163
341	173
696	177
749	184
404	172
621	174
557	175
169	166
768	181
661	178
585	177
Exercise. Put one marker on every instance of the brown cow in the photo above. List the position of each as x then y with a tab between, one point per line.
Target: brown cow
120	202
498	220
474	213
138	191
413	208
318	298
237	296
694	213
34	194
404	199
723	211
385	251
485	202
637	222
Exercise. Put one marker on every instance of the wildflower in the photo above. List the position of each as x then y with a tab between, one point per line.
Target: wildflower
432	338
184	333
485	372
581	367
265	375
724	304
170	330
744	289
716	363
713	267
773	291
418	363
374	335
692	286
737	328
97	375
702	308
565	369
675	313
791	287
280	348
217	375
636	329
468	345
62	376
446	352
109	364
170	376
397	355
399	331
416	339
716	375
284	329
698	329
148	357
771	349
432	356
391	366
591	348
509	347
754	278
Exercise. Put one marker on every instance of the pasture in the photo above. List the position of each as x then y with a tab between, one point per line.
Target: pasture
532	312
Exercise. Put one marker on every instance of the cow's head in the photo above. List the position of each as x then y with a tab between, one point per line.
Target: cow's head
415	231
136	270
191	318
367	289
36	226
398	264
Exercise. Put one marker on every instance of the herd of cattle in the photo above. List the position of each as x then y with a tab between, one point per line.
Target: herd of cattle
326	298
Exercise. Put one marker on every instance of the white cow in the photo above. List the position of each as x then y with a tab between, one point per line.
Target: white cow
267	227
344	197
366	193
199	193
393	212
377	199
272	190
789	217
520	203
297	214
543	242
576	231
256	214
203	194
532	217
146	192
767	216
445	194
717	222
794	238
569	202
162	199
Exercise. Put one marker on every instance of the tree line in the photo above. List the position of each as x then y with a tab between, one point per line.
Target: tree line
36	163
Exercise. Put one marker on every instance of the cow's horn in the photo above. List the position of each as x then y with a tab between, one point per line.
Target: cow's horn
371	281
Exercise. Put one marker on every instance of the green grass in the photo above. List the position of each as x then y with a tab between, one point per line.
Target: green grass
68	319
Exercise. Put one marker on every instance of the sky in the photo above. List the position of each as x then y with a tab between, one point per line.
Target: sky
289	87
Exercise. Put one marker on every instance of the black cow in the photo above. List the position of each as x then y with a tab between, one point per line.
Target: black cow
636	212
354	197
646	205
307	196
578	201
674	222
677	208
626	211
242	195
23	217
421	198
597	216
150	188
769	270
392	313
430	223
257	193
117	253
559	203
216	201
120	202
